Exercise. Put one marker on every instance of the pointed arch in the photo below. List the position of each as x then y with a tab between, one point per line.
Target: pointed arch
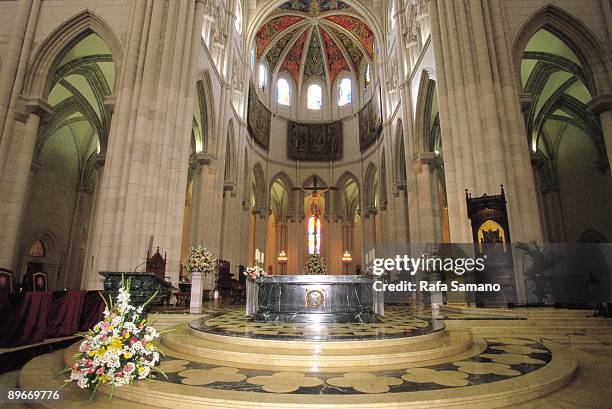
370	186
399	168
288	186
204	115
49	53
259	183
596	57
423	119
347	202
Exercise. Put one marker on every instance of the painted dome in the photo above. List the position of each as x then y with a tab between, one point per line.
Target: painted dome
314	38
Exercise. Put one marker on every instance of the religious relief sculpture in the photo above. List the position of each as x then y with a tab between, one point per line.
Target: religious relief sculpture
314	142
258	119
370	122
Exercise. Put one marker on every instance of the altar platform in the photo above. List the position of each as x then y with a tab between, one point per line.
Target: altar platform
407	359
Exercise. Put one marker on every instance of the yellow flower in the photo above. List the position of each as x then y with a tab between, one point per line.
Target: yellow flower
140	370
127	355
116	343
127	335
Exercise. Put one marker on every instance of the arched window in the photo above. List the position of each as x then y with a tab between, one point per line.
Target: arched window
314	235
367	77
238	21
344	92
283	92
263	74
37	249
314	97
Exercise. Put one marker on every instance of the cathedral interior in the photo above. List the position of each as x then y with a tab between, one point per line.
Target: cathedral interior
272	132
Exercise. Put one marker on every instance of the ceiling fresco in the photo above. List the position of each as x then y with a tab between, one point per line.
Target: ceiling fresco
293	59
337	62
271	29
326	37
313	66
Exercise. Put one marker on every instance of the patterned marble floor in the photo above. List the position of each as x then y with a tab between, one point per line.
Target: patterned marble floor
504	358
397	322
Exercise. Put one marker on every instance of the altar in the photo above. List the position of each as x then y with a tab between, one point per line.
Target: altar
314	298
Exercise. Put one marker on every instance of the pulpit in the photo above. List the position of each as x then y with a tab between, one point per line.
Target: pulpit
142	286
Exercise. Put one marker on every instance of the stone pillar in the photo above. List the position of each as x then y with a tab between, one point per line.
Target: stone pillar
480	118
15	181
601	106
10	63
143	189
426	198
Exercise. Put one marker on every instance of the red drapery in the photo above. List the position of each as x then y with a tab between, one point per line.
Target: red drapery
32	317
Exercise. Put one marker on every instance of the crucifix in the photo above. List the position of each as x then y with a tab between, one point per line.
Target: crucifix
314	223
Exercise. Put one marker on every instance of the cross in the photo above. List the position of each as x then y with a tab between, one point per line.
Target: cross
315	188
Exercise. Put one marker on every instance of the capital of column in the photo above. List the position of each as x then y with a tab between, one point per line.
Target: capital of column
370	210
100	160
526	100
200	159
28	105
431	160
600	103
110	102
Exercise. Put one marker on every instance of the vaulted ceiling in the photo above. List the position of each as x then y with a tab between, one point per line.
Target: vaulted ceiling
314	39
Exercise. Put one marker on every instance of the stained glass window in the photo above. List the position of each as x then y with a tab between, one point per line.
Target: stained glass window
314	235
344	92
315	96
283	92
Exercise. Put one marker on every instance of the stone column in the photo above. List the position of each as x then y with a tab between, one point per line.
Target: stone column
601	106
143	188
15	180
10	63
426	198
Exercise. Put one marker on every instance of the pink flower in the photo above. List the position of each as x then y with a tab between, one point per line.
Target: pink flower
100	370
84	347
91	371
74	366
119	374
129	368
133	340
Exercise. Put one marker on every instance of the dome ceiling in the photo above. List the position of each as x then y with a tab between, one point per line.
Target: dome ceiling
314	39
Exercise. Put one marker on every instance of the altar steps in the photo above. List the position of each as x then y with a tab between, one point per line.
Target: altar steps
321	355
41	374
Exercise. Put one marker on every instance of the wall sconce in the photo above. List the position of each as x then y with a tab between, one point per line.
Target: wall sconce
346	257
282	257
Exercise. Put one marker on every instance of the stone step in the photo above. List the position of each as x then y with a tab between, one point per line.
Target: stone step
313	356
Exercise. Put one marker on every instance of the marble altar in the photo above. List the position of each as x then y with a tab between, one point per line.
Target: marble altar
314	298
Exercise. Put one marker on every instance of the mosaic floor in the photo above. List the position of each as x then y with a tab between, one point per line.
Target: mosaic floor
403	361
397	322
504	358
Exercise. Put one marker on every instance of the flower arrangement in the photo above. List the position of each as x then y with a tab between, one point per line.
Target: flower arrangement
200	259
255	272
315	265
118	350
